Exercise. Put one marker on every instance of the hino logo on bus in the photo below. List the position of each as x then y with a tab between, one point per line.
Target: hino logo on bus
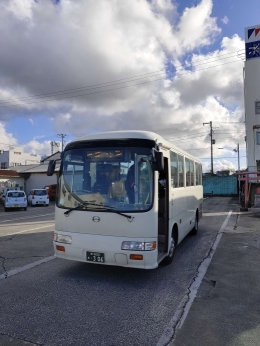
96	218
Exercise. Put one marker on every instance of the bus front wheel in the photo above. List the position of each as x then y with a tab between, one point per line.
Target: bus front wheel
195	229
169	258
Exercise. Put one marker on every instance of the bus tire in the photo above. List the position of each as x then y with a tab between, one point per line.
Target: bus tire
174	239
195	229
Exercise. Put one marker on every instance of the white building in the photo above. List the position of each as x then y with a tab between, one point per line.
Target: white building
252	96
15	156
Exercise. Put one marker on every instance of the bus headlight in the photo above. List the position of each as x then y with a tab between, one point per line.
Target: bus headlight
138	246
60	238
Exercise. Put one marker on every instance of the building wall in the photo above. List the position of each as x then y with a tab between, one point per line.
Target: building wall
16	156
4	160
252	94
4	182
39	180
220	186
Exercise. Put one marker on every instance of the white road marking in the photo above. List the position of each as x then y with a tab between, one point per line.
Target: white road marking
27	230
28	217
28	266
185	304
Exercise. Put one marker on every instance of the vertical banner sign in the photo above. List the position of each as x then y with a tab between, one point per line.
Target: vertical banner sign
252	41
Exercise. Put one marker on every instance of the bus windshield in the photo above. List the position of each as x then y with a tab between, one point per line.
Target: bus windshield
117	177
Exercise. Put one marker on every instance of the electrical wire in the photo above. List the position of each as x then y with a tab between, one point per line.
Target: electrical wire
129	79
7	103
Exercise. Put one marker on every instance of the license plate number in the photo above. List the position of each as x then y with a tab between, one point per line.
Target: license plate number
95	257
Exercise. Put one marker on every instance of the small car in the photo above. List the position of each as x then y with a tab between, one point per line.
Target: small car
15	199
6	189
38	197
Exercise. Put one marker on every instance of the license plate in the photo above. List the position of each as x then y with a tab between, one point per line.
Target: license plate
15	205
40	202
95	257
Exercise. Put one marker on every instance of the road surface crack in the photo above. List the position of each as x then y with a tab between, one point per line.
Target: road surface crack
3	266
13	338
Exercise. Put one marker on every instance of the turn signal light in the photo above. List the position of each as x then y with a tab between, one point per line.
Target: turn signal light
60	248
136	257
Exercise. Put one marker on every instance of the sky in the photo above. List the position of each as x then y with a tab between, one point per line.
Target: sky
80	67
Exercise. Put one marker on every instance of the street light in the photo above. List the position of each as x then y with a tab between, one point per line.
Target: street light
236	150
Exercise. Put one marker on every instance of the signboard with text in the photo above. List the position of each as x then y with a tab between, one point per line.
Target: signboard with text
252	42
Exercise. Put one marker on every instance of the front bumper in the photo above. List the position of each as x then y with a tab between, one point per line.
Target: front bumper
109	246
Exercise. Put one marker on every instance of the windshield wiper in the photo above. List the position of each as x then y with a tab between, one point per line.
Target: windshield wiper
84	205
79	206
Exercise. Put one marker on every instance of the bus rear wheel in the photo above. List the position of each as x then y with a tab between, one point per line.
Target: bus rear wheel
169	258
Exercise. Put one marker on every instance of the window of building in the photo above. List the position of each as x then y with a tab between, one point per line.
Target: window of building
3	165
16	152
257	107
258	138
257	165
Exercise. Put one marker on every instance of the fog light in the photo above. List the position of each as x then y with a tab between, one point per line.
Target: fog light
136	257
60	248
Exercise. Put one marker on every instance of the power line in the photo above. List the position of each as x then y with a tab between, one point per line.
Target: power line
129	79
9	104
225	157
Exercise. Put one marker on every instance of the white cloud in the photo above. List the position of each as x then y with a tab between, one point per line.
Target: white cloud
77	44
225	20
6	139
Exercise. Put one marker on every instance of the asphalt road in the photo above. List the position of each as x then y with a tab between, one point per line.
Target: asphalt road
46	301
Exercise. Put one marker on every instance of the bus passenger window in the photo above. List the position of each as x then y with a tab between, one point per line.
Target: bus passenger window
192	183
180	169
187	166
174	170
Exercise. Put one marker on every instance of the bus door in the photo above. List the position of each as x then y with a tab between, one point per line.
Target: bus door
163	209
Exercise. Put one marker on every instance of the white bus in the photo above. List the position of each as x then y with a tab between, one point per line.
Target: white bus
125	198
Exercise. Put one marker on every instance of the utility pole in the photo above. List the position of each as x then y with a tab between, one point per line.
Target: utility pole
54	144
62	135
238	166
212	141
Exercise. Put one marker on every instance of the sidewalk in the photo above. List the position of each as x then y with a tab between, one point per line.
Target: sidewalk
226	310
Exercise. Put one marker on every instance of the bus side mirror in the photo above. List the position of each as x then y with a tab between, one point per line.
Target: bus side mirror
159	162
51	168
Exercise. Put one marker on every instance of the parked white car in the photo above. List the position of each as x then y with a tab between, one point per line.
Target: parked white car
38	197
15	199
6	189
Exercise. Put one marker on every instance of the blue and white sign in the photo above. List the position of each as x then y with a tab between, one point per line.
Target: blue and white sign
252	41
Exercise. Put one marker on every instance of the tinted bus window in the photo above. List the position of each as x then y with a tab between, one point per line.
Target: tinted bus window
187	166
174	170
197	173
180	170
192	173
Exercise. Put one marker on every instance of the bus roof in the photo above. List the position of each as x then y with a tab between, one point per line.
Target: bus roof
129	134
